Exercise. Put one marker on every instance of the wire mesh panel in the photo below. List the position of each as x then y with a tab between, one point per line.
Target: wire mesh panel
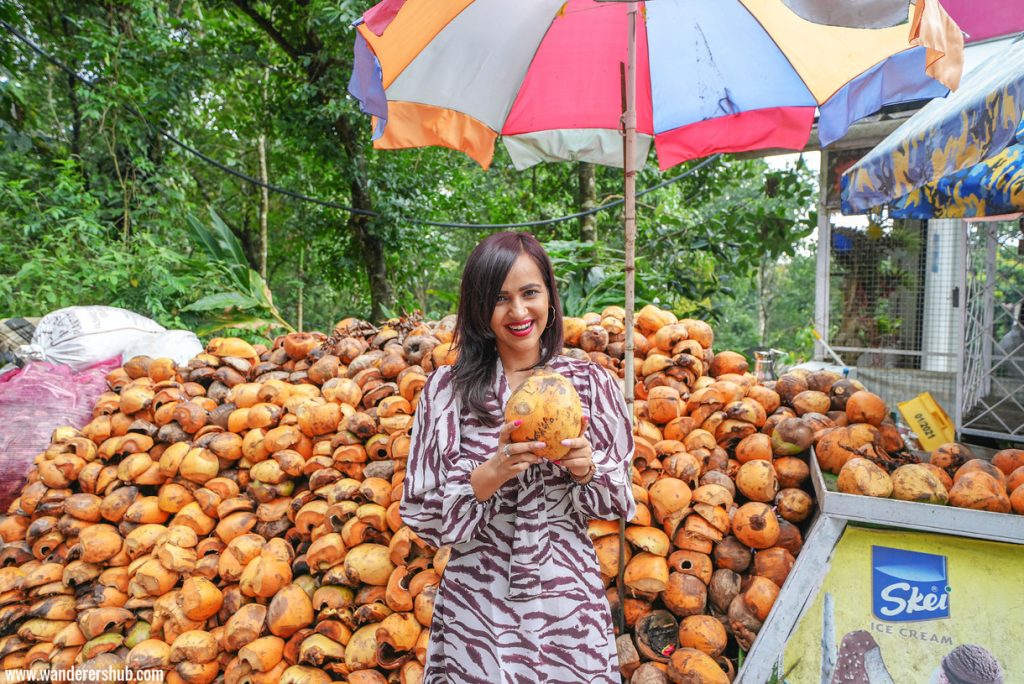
891	306
991	392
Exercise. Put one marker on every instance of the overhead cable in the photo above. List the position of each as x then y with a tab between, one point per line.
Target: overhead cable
329	203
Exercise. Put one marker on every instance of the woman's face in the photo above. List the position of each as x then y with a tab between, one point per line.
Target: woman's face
521	310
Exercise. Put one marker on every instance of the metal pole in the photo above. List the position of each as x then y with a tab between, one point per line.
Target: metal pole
823	261
629	219
962	302
988	332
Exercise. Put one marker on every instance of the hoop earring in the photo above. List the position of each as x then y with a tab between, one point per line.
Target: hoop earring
551	317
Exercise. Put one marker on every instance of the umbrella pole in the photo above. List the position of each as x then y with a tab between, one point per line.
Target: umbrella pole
629	221
629	204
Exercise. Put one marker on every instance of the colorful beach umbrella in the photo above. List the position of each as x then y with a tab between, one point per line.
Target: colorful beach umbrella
961	157
711	75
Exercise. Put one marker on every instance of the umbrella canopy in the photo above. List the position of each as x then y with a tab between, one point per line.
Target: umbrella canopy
721	76
960	157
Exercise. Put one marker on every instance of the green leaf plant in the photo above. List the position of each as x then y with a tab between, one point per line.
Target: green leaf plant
249	304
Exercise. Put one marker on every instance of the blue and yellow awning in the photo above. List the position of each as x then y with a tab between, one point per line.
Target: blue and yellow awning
959	157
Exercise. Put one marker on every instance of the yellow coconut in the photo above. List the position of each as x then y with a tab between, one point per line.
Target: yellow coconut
549	409
861	476
917	482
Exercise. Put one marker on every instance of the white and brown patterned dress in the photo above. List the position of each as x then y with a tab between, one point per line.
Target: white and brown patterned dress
521	594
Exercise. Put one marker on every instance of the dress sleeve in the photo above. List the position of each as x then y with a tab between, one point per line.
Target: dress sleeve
609	495
438	502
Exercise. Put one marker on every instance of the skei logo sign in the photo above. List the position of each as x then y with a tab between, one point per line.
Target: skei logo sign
908	586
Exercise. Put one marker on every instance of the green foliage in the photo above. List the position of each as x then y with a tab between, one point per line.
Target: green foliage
1009	280
95	202
789	313
725	223
57	251
592	276
248	303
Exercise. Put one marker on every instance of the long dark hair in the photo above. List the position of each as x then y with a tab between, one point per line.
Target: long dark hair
484	274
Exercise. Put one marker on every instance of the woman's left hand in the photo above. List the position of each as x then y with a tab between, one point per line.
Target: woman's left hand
580	458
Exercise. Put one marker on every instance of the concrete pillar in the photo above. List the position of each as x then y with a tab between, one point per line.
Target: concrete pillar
941	334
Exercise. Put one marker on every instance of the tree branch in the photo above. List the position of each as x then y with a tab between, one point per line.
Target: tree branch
268	28
313	43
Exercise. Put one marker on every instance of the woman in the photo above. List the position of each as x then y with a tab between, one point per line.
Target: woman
521	593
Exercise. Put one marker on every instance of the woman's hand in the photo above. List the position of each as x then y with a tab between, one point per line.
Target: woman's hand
580	459
514	457
511	459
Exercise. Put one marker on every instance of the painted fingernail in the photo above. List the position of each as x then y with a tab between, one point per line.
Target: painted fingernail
539	445
557	462
566	442
517	423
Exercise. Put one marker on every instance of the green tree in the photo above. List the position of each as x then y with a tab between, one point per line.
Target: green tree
96	196
787	321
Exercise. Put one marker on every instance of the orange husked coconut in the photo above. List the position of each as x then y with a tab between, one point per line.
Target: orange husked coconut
1008	460
550	411
865	407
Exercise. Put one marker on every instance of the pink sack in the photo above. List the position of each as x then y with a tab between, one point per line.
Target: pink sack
34	401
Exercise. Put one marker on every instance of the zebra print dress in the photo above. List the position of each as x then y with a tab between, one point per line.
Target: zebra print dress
521	594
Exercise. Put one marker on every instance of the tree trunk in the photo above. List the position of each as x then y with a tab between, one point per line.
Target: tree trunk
302	288
76	114
76	121
587	201
858	327
371	248
264	191
762	305
264	206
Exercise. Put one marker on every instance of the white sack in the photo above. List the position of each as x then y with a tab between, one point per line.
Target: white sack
80	336
180	345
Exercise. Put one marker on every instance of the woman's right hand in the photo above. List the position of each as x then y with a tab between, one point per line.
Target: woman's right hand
514	457
511	459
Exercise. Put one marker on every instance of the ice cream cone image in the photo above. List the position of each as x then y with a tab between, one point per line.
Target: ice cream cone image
860	661
968	664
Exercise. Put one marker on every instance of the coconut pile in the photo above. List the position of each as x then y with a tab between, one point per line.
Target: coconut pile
237	519
951	475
